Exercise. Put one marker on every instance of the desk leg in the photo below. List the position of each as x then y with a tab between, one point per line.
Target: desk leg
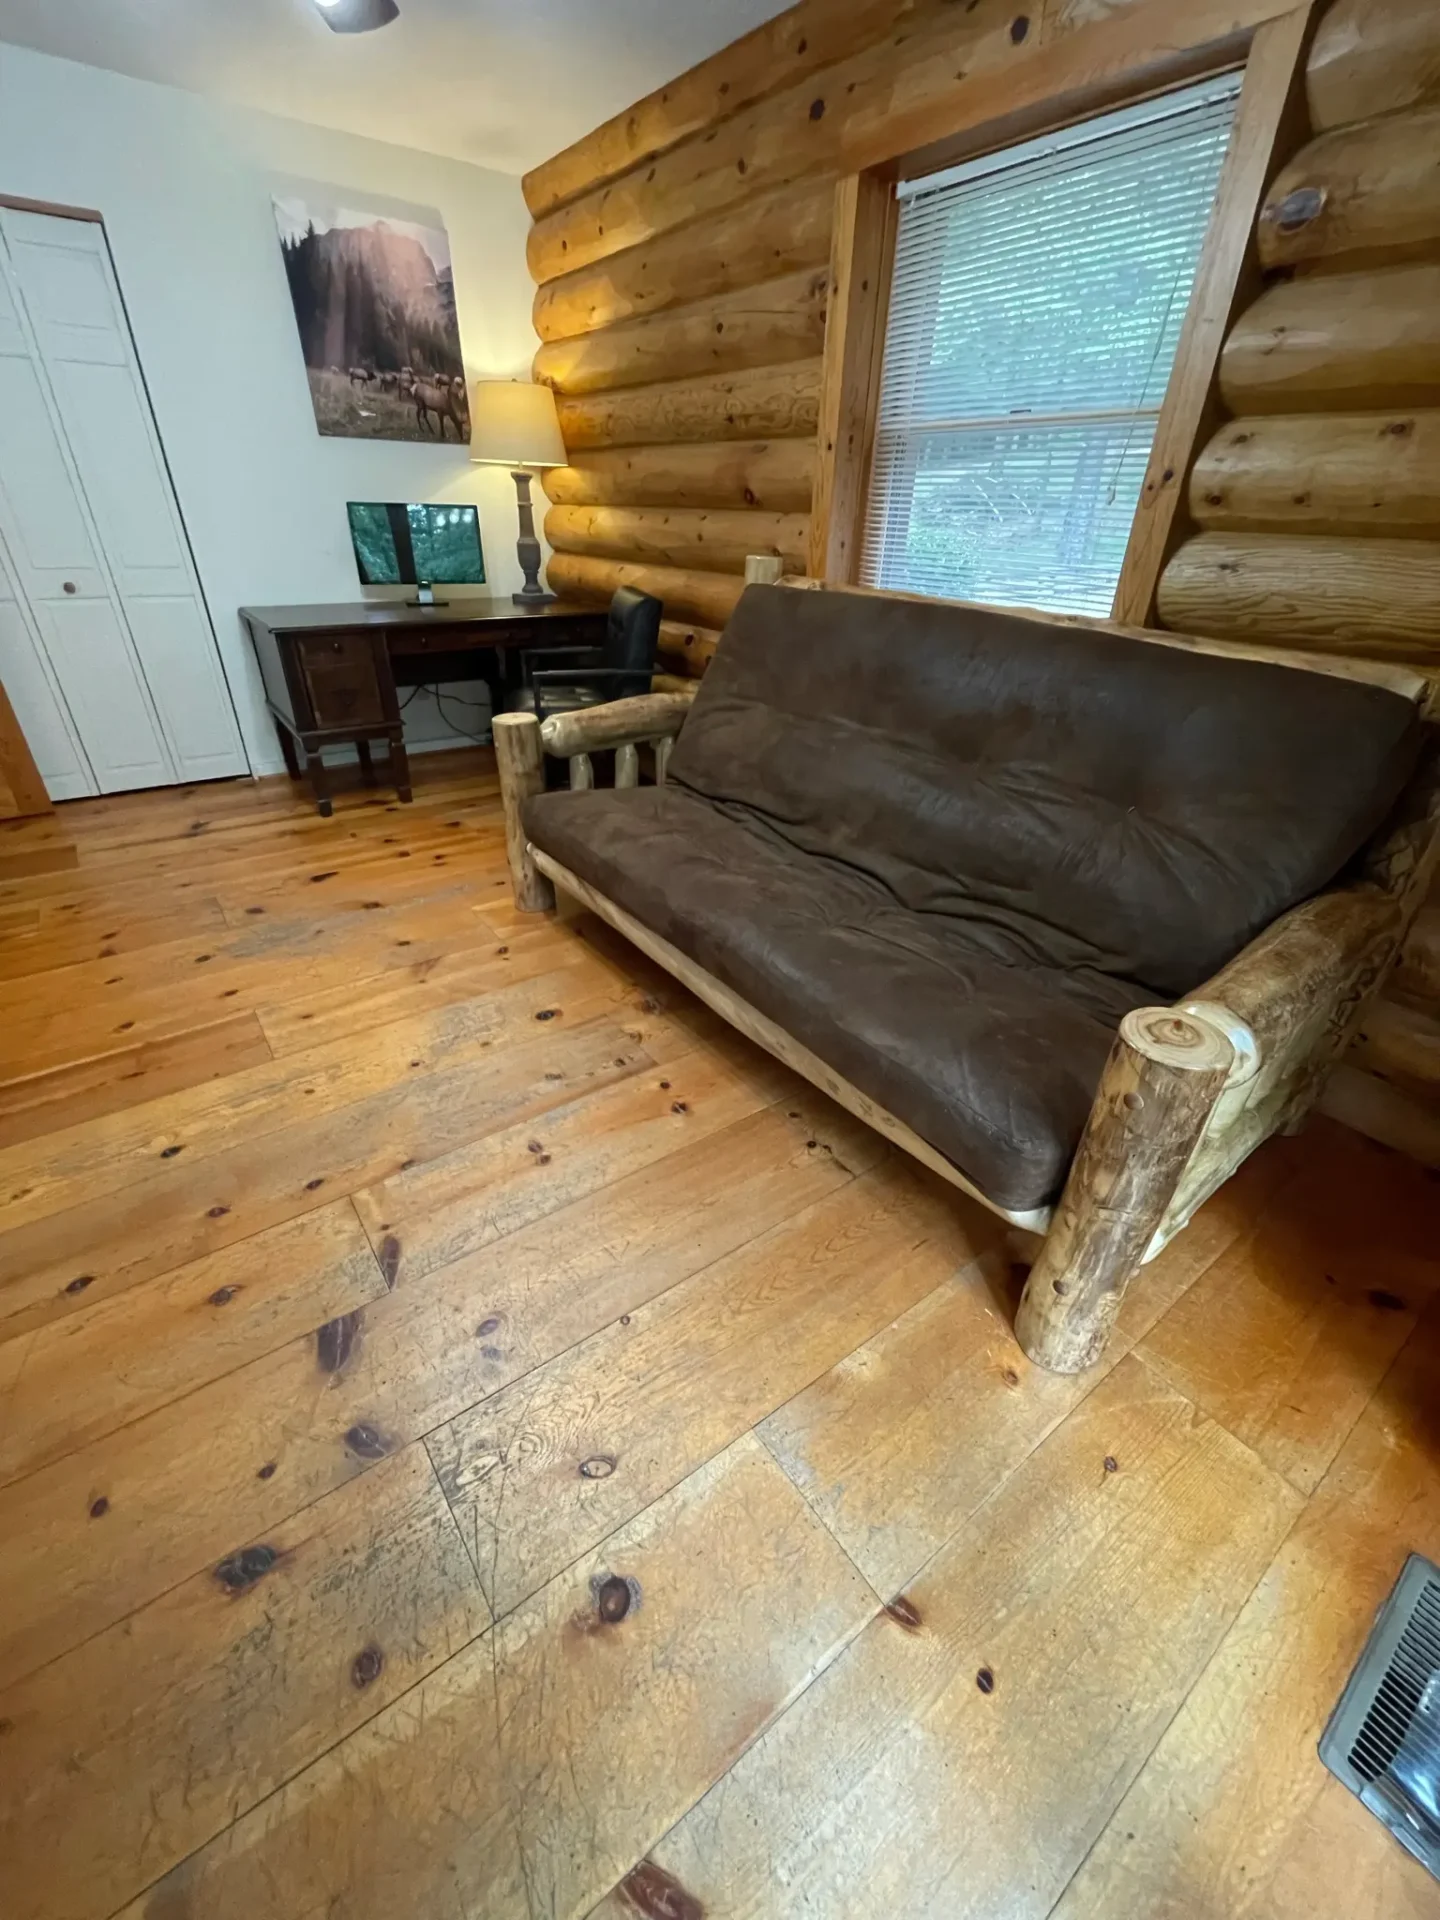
287	747
319	783
367	765
400	767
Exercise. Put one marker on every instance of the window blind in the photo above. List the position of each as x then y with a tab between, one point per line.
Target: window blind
1036	306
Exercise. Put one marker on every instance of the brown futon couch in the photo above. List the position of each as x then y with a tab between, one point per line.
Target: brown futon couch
1010	887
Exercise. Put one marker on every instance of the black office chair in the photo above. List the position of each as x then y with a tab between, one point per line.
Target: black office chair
623	665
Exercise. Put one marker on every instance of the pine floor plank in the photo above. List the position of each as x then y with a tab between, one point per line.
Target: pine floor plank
906	1437
78	1379
197	1478
56	1098
543	1470
148	1740
357	1008
605	1729
186	1209
18	863
450	1205
1340	1861
392	875
1314	1306
51	1176
1234	1816
958	1763
64	941
55	1017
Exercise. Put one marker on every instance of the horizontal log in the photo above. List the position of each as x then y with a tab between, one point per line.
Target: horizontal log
1350	342
1356	596
775	475
719	541
1373	56
760	326
1343	473
645	716
686	595
779	401
1401	1045
955	73
778	54
1417	977
790	135
1365	194
1373	1107
688	648
765	237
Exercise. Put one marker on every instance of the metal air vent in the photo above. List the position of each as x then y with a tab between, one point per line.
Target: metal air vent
1383	1739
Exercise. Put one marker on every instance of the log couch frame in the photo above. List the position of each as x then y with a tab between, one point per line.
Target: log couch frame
1188	1092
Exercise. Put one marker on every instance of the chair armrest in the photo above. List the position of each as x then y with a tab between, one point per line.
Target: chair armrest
618	723
586	676
596	654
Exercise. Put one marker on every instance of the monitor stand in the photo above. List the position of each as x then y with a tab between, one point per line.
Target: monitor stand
425	596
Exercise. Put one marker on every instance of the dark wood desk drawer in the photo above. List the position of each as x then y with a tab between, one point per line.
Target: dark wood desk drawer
451	639
339	673
587	630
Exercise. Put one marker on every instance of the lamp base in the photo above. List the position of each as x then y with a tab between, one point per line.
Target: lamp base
527	547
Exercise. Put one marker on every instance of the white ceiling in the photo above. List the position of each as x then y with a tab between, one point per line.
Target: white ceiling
504	83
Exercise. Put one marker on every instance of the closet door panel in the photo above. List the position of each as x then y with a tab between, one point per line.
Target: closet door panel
92	663
45	526
74	307
173	641
126	489
43	720
12	334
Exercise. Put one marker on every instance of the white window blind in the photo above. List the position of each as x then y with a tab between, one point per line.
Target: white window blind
1036	306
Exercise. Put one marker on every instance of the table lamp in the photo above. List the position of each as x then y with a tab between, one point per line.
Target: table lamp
513	423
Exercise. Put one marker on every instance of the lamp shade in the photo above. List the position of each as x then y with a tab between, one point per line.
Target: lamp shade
513	423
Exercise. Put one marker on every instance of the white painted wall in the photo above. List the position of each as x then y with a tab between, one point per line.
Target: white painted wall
185	187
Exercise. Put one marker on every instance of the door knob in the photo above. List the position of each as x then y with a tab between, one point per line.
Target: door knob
70	587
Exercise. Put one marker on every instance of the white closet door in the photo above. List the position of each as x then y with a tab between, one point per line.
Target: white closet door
26	677
63	271
61	575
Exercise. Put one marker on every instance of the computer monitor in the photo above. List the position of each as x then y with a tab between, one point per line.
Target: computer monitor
416	546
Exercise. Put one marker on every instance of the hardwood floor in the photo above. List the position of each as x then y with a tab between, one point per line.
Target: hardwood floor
479	1439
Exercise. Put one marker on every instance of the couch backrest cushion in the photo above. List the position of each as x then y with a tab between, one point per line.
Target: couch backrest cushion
1144	809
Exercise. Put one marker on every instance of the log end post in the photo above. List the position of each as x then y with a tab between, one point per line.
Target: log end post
1166	1070
521	766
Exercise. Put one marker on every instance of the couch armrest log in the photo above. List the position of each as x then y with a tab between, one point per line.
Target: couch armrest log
522	741
1187	1093
1166	1071
616	723
521	767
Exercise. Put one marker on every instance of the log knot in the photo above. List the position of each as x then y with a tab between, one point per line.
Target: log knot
1297	209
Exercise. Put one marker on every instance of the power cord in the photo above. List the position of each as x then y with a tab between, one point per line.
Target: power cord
480	739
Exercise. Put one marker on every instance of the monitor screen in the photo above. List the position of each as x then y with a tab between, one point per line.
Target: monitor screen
400	546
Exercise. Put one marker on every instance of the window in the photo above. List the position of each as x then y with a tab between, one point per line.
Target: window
1037	302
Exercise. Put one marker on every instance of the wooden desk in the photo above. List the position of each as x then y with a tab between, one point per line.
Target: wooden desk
331	673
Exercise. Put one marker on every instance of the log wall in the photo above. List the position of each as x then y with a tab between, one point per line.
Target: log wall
1316	505
683	255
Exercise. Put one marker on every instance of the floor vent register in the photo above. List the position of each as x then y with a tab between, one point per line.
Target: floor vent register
1383	1739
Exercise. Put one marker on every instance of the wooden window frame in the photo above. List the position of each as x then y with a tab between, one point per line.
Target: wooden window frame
1267	43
